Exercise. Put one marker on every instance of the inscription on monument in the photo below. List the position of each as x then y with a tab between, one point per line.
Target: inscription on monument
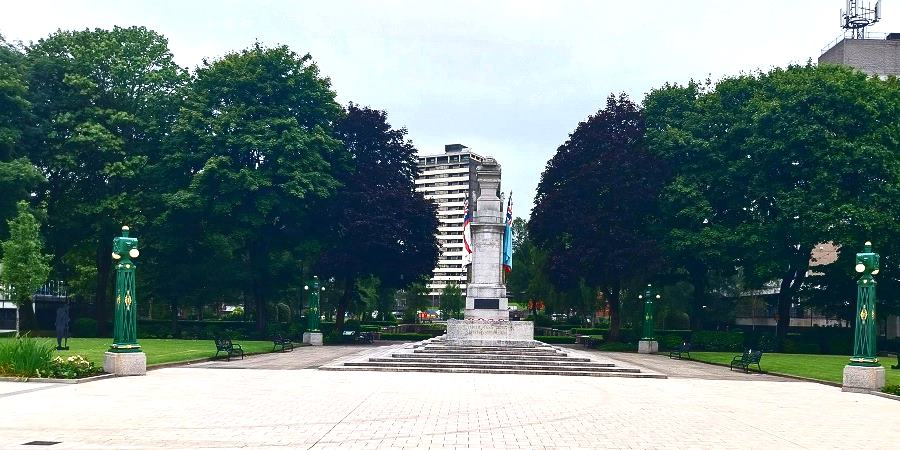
487	303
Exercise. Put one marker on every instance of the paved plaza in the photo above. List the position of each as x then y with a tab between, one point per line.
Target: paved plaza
203	406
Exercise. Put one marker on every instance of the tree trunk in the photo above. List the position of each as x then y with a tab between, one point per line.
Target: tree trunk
698	280
104	274
342	306
27	321
790	283
259	261
18	307
615	320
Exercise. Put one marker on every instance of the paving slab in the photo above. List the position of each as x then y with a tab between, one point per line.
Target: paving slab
308	357
201	408
685	368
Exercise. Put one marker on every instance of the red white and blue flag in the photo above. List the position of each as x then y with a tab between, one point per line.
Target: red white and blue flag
507	237
467	234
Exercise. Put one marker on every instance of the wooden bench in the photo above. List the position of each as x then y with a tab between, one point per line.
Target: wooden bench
681	351
285	343
746	359
366	337
589	341
225	345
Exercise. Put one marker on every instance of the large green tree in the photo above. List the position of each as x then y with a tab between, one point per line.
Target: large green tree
25	267
103	101
595	205
18	177
254	140
377	224
778	162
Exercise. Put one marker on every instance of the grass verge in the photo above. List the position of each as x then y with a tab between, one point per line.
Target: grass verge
818	367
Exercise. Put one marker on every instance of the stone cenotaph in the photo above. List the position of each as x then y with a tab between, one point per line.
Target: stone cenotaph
486	320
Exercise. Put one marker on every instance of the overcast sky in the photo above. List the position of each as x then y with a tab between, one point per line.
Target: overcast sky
509	79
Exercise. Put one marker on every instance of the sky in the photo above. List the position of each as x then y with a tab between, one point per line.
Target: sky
509	79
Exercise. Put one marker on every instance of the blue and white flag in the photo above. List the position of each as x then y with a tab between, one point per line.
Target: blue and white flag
507	237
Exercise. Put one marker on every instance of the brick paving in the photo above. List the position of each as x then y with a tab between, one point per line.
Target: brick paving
197	407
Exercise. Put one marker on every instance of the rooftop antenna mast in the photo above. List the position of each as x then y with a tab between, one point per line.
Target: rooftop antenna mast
858	16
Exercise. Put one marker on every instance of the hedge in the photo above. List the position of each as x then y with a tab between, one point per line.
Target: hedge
556	339
404	336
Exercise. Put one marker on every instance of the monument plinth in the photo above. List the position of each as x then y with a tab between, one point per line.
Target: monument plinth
486	320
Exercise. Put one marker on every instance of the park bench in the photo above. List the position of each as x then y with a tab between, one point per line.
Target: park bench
285	343
366	337
589	341
225	345
681	351
746	359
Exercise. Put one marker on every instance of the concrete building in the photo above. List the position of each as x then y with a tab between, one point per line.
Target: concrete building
448	179
873	56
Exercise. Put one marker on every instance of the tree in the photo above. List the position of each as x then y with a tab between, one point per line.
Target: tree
452	302
18	177
594	206
377	223
416	299
790	159
255	145
25	268
103	102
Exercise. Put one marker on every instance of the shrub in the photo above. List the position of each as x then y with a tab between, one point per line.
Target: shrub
669	341
589	331
75	366
404	336
718	341
792	346
283	311
25	357
893	389
556	339
85	327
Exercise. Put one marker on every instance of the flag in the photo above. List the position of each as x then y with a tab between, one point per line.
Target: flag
507	237
467	234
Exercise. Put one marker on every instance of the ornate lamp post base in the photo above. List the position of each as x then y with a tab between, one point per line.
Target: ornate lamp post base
647	346
125	364
863	378
312	337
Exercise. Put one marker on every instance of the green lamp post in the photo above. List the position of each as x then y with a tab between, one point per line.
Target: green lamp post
648	343
125	322
313	335
312	311
867	264
649	334
864	373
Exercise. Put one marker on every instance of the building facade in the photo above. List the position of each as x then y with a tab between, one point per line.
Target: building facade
447	179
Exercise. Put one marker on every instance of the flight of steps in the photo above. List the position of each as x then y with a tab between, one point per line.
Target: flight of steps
433	355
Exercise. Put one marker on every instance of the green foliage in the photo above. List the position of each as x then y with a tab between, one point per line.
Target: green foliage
452	302
25	268
718	341
85	327
25	357
404	336
556	339
893	389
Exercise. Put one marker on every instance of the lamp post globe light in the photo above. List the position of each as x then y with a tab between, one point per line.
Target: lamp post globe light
648	342
864	372
125	356
313	335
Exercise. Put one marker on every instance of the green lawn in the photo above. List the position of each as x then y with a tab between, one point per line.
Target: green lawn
159	351
819	367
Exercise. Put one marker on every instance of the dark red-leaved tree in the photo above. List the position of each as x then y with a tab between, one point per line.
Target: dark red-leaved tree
377	223
595	204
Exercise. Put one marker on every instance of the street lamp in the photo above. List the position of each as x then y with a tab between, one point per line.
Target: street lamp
125	356
648	343
864	373
313	335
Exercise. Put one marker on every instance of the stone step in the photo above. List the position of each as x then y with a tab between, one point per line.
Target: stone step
490	351
500	371
489	356
490	365
562	362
